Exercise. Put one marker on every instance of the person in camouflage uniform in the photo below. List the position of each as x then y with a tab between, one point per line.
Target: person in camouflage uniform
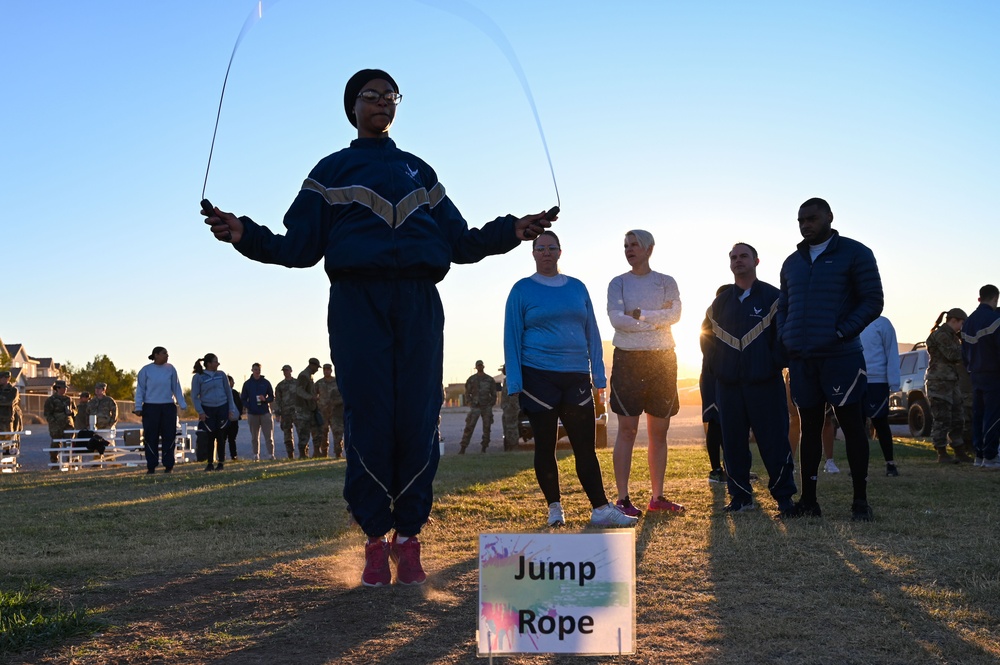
480	395
305	409
331	407
58	411
10	406
944	350
284	408
104	407
511	410
82	418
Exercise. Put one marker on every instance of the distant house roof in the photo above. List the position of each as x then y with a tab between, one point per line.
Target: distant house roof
12	349
38	384
45	362
14	373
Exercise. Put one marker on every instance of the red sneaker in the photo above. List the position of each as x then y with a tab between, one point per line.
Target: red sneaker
406	556
376	564
659	503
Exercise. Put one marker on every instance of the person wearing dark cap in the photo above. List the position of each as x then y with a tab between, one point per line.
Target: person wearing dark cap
480	397
158	393
284	408
103	407
944	353
59	411
981	354
305	410
387	232
82	418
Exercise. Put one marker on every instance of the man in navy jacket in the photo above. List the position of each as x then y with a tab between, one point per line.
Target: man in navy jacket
830	291
745	357
981	354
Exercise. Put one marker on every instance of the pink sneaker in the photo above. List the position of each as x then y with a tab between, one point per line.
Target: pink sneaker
625	505
659	503
406	556
376	564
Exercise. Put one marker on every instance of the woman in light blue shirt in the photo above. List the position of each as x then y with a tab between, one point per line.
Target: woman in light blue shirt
554	356
156	388
213	400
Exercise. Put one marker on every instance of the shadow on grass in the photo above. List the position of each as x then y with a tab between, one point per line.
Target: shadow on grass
916	585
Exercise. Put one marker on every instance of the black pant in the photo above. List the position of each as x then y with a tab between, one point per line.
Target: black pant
159	428
231	431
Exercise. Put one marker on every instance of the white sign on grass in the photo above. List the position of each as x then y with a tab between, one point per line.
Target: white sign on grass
557	593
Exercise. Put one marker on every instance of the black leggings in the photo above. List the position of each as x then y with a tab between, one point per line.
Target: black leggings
713	441
579	424
884	434
811	449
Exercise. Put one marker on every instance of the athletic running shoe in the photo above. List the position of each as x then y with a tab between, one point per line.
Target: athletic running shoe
219	467
861	512
717	476
739	506
406	556
786	507
991	464
979	461
608	515
891	470
659	503
831	466
807	509
376	571
625	505
556	516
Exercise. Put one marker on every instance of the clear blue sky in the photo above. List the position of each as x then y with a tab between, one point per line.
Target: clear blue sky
705	123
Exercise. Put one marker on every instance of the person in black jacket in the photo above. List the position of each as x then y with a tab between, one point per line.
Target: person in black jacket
830	291
745	357
233	428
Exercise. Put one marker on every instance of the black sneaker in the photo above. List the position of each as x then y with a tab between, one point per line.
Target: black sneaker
739	506
807	509
210	467
219	467
717	476
786	508
891	470
861	512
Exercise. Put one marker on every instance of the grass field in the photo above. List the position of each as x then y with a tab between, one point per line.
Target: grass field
257	564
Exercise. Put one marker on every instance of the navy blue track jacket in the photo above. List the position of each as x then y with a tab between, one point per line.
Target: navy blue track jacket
981	347
374	211
743	345
824	305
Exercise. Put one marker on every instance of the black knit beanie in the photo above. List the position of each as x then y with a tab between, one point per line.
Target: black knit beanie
354	87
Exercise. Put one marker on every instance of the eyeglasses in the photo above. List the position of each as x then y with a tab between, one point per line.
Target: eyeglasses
372	96
551	248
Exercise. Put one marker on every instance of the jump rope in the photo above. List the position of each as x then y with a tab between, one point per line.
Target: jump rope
458	8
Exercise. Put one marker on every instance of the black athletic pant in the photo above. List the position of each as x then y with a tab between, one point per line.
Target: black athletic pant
713	441
811	448
579	424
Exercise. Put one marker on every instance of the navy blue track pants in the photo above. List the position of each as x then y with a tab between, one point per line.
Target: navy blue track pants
763	408
387	343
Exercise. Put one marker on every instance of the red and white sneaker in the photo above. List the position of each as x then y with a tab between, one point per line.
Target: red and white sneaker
377	571
406	556
659	503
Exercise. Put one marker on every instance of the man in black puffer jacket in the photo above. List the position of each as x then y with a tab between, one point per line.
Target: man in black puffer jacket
830	291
